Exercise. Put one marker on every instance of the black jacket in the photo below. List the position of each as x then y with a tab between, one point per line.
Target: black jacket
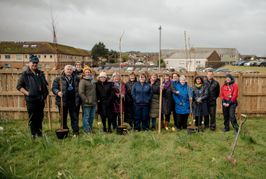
35	84
56	87
104	93
129	99
214	91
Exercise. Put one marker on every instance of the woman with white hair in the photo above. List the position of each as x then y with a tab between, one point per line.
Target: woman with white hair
181	94
66	86
104	100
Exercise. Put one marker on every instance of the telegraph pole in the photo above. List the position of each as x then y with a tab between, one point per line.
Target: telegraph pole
160	38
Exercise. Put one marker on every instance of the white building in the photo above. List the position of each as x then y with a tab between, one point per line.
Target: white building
192	60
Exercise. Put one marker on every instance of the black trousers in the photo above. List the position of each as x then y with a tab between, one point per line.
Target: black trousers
72	110
181	121
174	117
110	121
35	112
198	120
212	115
229	114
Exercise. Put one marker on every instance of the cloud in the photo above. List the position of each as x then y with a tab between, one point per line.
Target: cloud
210	23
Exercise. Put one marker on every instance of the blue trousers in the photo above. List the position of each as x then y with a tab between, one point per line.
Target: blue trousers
141	117
88	116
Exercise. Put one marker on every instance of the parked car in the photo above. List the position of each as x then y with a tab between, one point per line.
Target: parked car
263	64
239	63
250	63
225	70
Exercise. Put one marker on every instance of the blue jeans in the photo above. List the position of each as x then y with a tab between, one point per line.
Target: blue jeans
141	117
88	116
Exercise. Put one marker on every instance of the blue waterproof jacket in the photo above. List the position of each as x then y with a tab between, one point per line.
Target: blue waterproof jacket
141	94
182	105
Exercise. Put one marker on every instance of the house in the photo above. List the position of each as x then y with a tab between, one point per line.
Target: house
228	55
52	56
192	59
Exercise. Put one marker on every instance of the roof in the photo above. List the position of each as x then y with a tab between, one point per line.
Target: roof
40	48
220	51
195	54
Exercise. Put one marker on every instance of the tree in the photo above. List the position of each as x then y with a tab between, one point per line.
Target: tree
112	56
99	50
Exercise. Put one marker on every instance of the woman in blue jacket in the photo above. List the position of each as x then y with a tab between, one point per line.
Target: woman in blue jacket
142	95
181	97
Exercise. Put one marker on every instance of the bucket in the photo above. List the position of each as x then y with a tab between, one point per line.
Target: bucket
62	133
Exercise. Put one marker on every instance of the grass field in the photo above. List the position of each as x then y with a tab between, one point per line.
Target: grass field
245	68
136	155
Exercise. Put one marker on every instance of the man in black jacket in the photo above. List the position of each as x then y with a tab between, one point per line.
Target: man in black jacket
66	86
33	85
214	91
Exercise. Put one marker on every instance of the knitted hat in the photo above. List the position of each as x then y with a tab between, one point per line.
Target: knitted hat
102	74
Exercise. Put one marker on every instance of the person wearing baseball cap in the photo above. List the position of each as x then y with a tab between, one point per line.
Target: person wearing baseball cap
33	85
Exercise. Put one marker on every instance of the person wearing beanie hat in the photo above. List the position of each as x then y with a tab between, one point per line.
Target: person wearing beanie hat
104	93
102	75
33	85
229	94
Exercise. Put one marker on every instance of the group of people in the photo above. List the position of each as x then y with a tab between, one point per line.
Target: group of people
137	101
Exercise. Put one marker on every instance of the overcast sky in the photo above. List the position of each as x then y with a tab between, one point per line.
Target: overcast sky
237	24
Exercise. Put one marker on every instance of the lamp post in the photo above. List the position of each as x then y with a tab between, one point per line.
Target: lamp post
160	30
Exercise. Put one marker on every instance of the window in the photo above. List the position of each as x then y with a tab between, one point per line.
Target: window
39	56
26	56
51	56
7	56
44	56
19	57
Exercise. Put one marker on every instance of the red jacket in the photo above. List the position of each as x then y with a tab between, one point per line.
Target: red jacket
229	93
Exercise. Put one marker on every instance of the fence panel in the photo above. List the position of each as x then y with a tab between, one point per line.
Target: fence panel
252	93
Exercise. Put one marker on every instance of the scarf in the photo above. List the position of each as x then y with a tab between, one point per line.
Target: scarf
198	85
166	84
89	77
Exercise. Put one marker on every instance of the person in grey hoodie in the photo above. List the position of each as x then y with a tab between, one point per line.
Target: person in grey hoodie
87	93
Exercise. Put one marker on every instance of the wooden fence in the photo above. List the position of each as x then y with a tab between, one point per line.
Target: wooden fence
252	94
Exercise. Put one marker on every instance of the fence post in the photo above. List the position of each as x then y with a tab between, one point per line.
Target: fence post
48	102
240	94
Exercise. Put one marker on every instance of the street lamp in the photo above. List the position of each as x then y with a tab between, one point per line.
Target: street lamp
160	30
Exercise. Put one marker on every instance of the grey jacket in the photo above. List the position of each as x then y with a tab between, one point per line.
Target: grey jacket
87	92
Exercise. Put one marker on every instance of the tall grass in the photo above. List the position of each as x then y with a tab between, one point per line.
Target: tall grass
136	155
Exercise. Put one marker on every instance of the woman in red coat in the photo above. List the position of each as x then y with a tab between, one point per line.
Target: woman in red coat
229	94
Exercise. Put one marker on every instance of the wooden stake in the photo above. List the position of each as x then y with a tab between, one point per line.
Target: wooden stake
160	106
